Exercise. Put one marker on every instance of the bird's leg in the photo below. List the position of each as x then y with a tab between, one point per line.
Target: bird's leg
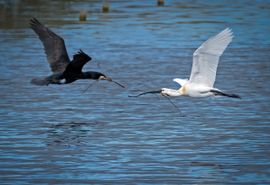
175	106
90	85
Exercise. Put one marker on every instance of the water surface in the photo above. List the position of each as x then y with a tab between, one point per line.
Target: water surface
60	135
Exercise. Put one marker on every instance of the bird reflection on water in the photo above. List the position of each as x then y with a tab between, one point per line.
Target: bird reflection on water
69	133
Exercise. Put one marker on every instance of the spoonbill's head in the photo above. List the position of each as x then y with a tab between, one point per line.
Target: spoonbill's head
169	92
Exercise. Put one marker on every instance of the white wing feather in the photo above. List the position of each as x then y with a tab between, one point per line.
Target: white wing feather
180	81
206	58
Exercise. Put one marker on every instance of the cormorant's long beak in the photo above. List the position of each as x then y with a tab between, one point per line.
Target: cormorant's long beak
148	92
110	80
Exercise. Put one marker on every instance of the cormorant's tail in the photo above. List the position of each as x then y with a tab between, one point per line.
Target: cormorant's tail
40	81
220	93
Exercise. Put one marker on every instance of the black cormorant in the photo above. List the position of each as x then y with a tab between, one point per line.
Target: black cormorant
64	70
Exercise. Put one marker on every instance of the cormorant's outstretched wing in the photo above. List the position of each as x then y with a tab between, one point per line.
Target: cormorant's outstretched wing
76	65
206	58
54	46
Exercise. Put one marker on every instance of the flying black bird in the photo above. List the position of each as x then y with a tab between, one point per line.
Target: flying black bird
64	70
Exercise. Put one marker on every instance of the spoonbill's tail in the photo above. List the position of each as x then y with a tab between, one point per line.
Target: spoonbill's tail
220	93
148	92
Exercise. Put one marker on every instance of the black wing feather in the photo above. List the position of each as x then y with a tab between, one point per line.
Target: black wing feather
76	65
54	46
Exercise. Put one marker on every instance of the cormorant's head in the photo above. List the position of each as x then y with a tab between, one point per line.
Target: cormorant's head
104	77
98	76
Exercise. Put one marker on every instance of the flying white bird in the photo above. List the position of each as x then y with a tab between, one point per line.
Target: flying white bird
203	72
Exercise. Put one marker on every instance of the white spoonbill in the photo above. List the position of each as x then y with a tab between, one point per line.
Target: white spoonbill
203	72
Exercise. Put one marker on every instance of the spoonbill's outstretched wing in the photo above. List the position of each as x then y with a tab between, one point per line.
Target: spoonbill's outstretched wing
54	46
180	81
206	58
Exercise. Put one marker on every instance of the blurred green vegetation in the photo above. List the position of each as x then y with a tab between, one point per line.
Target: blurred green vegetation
16	13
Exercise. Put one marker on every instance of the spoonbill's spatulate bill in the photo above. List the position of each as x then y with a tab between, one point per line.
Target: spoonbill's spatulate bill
64	70
203	72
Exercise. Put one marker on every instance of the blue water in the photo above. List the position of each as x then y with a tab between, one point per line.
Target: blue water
60	135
